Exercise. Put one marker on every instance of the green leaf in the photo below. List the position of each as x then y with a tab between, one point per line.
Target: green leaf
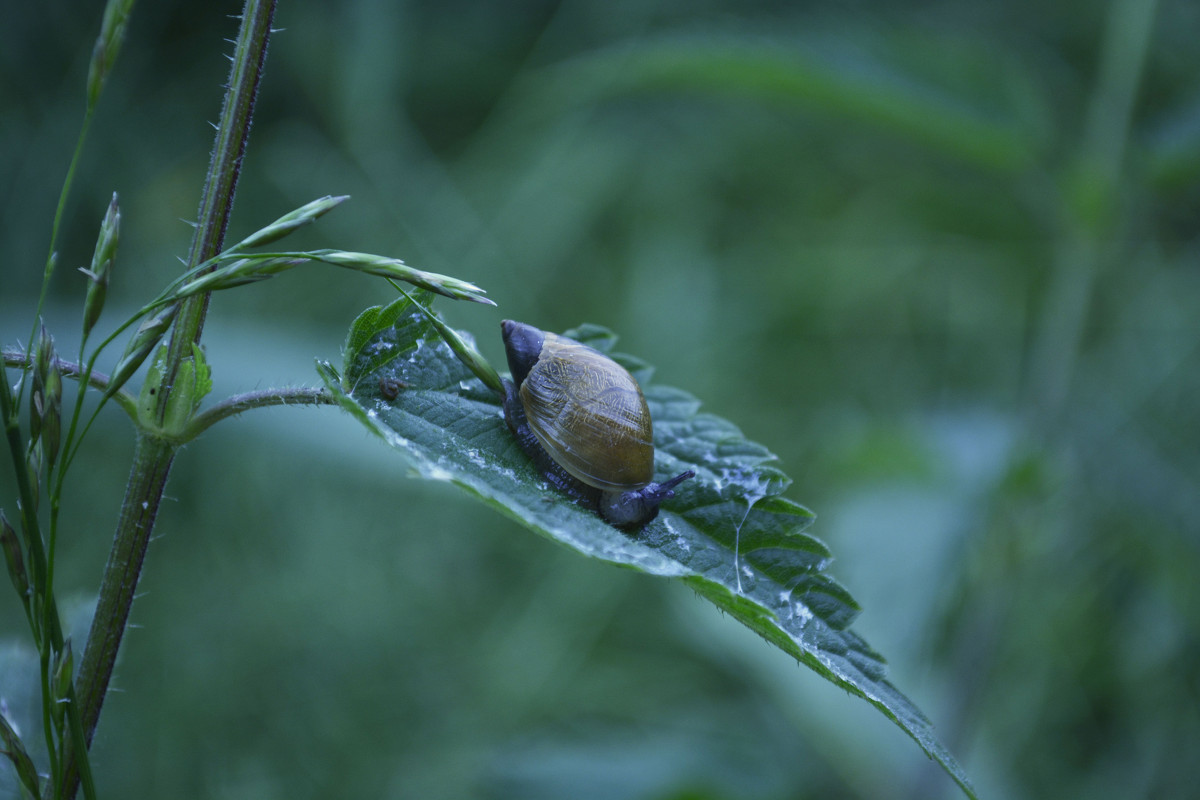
192	383
729	533
367	325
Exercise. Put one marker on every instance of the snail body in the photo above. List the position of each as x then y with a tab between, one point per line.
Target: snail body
583	420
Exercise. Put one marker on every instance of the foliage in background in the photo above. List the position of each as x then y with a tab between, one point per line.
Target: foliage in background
987	364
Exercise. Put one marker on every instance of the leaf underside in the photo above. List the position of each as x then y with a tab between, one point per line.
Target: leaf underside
728	533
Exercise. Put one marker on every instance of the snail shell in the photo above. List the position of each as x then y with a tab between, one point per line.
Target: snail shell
578	412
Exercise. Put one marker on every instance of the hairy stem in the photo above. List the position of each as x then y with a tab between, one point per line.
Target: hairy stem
70	369
261	399
153	456
151	465
216	204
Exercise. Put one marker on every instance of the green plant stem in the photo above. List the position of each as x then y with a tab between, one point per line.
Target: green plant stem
231	406
71	369
29	521
47	629
75	722
148	477
153	456
51	256
261	399
216	204
47	723
50	625
1092	214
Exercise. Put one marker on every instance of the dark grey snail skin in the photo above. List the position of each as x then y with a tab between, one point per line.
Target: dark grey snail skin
583	420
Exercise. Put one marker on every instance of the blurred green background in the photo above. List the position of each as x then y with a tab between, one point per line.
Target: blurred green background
941	257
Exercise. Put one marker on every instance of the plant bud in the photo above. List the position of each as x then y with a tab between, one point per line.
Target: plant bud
45	400
108	44
52	416
33	463
468	355
141	345
396	269
16	562
305	215
102	260
237	273
43	363
12	747
64	673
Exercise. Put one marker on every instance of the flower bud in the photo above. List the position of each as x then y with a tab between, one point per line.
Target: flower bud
237	273
101	266
43	364
305	215
64	671
467	354
12	747
108	44
12	555
33	464
141	345
396	269
64	674
45	399
52	416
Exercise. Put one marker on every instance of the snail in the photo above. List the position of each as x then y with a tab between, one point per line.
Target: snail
583	420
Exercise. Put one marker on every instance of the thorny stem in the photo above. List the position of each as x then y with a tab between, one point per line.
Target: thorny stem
153	455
